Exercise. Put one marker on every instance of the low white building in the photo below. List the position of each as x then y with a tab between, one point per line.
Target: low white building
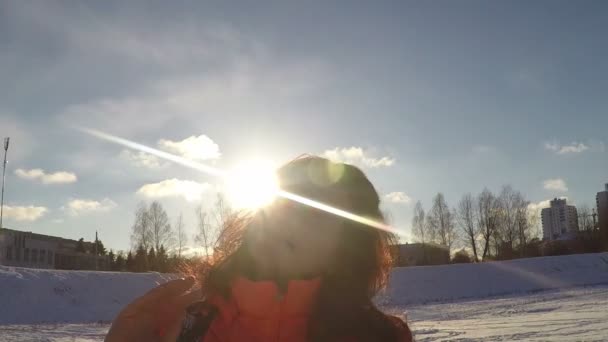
26	249
32	250
560	221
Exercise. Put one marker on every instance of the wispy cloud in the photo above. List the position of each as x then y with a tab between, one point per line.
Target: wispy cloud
60	177
398	197
555	184
142	159
78	206
24	213
189	190
195	148
574	147
358	156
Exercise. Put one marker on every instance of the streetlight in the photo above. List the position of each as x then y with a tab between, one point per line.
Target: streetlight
6	141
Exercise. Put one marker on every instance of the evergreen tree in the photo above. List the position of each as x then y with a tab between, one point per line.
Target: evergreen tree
80	246
111	260
141	259
130	262
172	263
101	250
161	259
119	264
152	261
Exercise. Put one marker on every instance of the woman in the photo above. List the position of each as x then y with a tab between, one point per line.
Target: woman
289	273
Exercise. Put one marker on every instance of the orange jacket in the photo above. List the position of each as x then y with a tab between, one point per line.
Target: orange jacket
258	312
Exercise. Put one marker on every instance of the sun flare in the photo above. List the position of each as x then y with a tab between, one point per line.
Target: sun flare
252	184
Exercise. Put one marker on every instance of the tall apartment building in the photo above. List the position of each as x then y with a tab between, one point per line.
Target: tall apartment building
560	220
601	200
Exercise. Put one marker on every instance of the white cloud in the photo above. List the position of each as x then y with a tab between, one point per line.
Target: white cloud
142	159
574	147
189	190
78	206
398	197
24	213
195	148
555	184
357	156
60	177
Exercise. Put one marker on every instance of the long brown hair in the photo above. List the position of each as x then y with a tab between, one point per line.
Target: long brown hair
344	306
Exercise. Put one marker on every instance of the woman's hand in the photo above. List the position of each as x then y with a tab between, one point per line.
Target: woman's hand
155	316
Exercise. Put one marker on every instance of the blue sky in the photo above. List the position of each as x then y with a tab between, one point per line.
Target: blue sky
425	96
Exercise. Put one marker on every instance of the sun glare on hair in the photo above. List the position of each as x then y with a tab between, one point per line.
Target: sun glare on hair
252	184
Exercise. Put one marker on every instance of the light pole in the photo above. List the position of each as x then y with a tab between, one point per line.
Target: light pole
6	141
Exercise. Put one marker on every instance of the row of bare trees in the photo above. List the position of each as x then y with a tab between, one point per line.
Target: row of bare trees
152	227
487	224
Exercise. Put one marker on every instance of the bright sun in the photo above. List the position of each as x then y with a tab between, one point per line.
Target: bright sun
252	184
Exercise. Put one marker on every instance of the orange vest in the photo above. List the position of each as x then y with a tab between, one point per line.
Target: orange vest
258	312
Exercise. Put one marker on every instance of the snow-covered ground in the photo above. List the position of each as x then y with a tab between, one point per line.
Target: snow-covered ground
576	314
552	298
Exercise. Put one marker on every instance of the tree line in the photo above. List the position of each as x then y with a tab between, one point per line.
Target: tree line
500	226
486	225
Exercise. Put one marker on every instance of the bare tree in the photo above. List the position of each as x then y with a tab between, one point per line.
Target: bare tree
180	234
534	226
141	235
487	218
441	222
419	224
211	225
205	231
467	221
522	222
222	212
585	222
160	228
507	225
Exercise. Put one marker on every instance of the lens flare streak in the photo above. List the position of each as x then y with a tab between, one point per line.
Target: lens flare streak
337	212
219	173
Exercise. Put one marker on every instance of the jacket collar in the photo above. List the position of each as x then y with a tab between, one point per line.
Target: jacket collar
263	298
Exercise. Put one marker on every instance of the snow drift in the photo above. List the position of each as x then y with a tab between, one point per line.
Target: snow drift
30	296
35	296
418	285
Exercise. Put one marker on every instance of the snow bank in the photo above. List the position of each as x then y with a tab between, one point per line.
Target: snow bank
418	285
30	296
36	296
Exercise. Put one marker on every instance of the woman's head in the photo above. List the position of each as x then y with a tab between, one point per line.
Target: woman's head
291	240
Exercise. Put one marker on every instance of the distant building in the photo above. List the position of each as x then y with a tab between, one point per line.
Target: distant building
27	249
601	200
560	221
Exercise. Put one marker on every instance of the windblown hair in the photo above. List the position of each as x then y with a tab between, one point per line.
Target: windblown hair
344	307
